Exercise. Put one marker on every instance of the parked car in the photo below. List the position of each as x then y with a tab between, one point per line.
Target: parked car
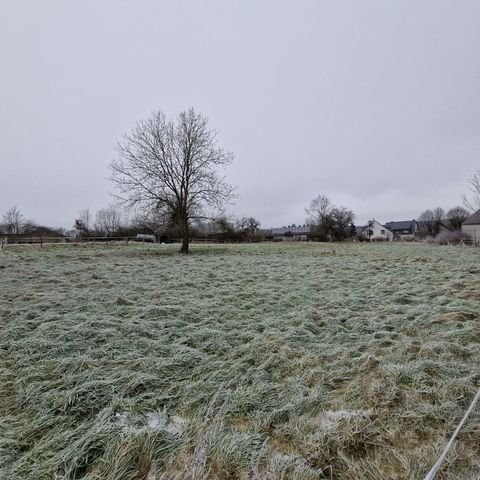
143	237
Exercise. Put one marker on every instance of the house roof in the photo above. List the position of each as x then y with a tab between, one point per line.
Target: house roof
373	221
363	230
292	230
473	219
403	225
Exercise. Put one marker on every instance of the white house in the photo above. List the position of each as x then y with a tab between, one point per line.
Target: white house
376	232
471	226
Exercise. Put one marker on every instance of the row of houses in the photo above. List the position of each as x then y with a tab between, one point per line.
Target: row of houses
374	231
412	229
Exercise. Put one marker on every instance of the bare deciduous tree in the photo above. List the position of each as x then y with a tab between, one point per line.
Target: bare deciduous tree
439	214
456	216
473	203
84	220
432	219
318	209
109	220
248	227
13	221
327	221
172	166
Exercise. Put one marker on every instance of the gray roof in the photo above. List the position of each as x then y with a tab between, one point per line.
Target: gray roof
473	219
292	230
403	225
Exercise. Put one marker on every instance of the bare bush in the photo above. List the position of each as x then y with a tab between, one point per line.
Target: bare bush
446	238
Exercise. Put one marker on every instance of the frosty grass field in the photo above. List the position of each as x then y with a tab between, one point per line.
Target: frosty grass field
269	361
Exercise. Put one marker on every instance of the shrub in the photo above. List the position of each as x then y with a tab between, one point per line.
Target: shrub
446	238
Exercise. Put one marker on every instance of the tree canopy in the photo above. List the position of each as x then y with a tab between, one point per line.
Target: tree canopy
329	222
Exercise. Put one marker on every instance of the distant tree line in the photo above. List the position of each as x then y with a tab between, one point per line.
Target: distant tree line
114	222
12	222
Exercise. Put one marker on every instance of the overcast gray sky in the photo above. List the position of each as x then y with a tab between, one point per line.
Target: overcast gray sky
376	104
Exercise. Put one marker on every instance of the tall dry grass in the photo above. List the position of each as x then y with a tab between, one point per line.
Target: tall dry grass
250	361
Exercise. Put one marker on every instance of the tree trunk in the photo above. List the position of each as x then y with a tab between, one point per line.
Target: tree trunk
185	241
184	248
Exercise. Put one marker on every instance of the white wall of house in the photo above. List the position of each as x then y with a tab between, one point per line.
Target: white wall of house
473	231
378	232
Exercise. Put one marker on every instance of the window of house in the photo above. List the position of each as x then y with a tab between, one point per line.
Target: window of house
382	232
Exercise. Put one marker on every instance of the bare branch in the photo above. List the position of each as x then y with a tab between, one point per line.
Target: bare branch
473	203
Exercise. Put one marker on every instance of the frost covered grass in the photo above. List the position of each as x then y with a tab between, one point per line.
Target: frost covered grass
271	361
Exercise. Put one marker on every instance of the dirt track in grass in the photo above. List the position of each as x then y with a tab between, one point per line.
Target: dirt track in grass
269	361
